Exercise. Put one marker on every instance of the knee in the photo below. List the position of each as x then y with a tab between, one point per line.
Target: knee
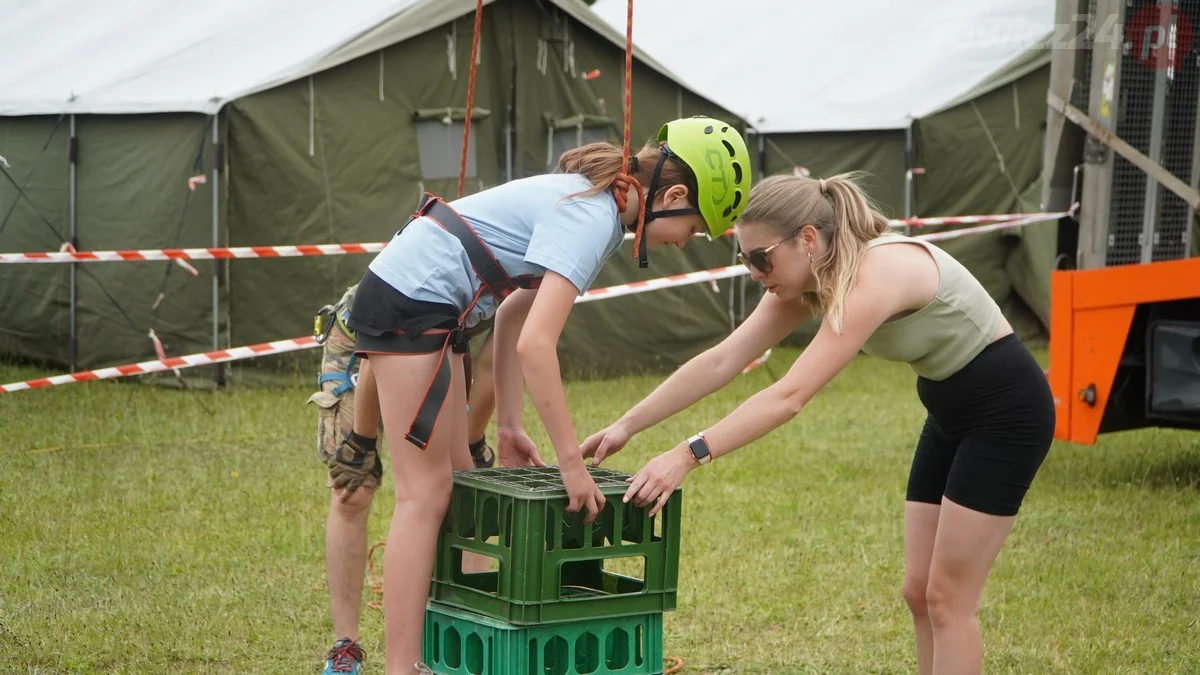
914	591
356	505
943	601
429	498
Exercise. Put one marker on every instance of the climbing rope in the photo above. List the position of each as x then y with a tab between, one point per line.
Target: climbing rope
462	168
624	181
374	581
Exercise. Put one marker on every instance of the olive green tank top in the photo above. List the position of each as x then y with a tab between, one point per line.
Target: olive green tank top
944	335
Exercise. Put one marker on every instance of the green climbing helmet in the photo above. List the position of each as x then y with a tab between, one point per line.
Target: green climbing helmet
717	157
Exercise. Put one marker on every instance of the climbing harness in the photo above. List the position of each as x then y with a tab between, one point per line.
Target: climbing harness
493	280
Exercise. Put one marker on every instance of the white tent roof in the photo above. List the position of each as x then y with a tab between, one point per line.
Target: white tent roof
140	56
817	65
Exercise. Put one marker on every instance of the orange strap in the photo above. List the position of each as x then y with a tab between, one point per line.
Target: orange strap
462	168
624	181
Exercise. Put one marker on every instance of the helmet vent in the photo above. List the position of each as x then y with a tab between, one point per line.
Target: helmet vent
724	129
708	129
737	198
737	173
728	147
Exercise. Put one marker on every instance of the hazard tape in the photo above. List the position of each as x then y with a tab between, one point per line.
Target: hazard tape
173	363
972	220
981	229
663	282
296	344
179	255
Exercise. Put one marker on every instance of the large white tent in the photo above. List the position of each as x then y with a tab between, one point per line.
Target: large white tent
814	65
147	56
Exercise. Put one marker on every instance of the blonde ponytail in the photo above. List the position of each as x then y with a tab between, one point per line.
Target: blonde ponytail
840	211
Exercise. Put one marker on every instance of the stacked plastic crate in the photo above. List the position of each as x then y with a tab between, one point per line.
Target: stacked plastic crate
564	597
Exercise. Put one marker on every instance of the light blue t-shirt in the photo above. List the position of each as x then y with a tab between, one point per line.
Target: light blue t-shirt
526	224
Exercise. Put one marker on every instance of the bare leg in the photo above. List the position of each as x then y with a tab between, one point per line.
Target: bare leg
483	392
346	558
366	402
461	459
423	480
966	546
920	528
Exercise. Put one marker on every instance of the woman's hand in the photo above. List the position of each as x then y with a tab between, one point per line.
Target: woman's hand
581	490
604	443
660	477
514	447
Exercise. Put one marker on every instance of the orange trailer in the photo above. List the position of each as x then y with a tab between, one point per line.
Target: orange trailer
1123	143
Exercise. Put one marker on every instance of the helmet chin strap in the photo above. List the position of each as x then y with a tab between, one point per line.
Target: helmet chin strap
648	207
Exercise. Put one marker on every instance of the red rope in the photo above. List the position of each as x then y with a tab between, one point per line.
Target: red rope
462	169
623	182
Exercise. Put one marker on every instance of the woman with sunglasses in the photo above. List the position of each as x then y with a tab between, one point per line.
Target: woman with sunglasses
819	247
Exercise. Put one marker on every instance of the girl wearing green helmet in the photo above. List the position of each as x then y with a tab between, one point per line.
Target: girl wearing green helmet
536	244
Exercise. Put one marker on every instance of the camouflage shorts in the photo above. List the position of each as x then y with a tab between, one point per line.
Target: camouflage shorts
335	413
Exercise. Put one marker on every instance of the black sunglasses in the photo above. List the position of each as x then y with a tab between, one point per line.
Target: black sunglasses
760	258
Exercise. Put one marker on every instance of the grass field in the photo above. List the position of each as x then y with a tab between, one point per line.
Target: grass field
158	531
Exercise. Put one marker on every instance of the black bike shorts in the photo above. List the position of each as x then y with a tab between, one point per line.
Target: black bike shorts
989	427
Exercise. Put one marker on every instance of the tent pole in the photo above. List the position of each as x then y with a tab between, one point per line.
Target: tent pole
72	155
909	162
510	132
219	371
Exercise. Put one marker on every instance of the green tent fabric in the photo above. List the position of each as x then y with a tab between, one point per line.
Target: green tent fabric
982	154
338	155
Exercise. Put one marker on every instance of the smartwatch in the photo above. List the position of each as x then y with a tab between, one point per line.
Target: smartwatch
699	448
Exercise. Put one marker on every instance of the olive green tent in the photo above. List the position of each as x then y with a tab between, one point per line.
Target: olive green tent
300	122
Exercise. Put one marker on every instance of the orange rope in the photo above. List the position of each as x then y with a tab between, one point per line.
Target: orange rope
376	584
623	182
462	169
675	667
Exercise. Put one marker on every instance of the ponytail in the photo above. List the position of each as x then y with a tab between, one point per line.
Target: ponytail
600	163
855	222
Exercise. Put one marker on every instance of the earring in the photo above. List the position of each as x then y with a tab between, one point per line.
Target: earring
810	257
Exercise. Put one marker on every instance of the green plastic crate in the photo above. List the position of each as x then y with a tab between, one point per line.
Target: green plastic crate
551	566
457	642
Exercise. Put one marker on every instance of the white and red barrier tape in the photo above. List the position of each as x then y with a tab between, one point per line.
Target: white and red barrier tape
179	255
239	253
206	358
295	344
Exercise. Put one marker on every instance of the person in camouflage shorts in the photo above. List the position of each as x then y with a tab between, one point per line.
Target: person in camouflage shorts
355	468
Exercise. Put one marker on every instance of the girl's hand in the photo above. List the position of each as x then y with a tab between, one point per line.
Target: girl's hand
660	477
604	443
514	447
581	490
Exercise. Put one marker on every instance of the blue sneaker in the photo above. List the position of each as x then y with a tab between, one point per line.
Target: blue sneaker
344	657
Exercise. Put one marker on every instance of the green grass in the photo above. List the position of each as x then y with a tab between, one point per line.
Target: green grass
153	531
